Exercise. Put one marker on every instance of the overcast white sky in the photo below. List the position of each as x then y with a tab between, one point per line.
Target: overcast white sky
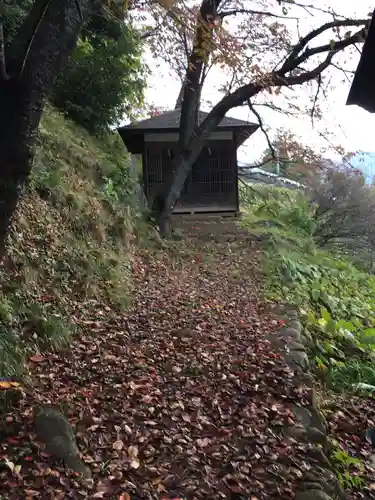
353	128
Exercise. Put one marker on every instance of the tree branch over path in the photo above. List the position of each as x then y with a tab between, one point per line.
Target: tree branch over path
252	12
294	59
262	128
290	73
279	77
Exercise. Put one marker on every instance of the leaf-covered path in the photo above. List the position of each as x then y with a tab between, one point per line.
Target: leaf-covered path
182	397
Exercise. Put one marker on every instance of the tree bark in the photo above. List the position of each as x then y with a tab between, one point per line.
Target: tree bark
184	161
180	97
199	55
188	100
33	60
16	153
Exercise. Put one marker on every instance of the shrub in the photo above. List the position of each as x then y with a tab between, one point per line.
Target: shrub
344	211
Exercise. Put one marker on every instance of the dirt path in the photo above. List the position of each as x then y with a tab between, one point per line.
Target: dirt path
182	397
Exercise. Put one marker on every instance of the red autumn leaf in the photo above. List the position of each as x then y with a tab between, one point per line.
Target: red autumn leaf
13	440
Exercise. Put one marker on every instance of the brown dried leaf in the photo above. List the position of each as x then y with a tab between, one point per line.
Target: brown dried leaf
118	445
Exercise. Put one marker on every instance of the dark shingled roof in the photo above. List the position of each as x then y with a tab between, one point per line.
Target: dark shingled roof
133	134
171	120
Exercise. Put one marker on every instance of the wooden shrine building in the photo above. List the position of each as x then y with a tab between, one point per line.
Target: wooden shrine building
362	91
212	186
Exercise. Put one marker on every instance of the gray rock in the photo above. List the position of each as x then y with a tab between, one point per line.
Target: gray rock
291	312
318	420
303	415
294	346
307	339
314	399
312	495
316	453
331	483
54	430
291	333
307	434
298	360
310	485
294	324
297	432
307	379
315	435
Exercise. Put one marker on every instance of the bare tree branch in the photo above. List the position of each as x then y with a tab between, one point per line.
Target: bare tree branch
79	10
277	109
345	71
305	76
261	126
312	7
234	12
152	32
294	60
316	99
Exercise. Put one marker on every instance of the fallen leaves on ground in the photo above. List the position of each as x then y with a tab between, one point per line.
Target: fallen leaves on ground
348	418
183	397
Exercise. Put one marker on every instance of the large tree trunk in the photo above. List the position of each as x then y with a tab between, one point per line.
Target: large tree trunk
17	138
185	160
188	149
33	60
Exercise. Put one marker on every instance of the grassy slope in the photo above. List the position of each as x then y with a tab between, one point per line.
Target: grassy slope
336	302
71	244
336	299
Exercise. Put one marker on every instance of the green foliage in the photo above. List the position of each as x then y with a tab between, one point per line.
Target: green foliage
71	246
354	374
336	299
347	468
278	213
104	79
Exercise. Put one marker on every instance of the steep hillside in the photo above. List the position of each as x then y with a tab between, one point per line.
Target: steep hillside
71	245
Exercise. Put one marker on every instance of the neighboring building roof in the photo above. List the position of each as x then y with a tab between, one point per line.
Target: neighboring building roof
254	174
132	135
362	91
171	120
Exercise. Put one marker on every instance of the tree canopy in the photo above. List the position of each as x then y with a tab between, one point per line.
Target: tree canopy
104	79
263	49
